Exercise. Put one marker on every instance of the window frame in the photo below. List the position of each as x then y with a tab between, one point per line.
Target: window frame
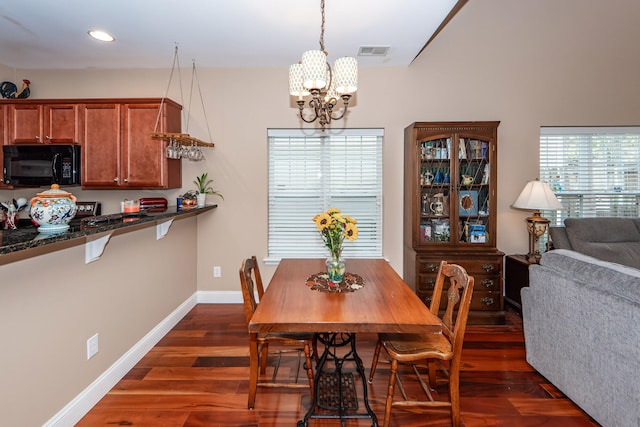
593	171
305	182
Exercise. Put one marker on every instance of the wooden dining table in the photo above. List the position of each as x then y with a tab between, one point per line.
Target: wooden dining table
383	303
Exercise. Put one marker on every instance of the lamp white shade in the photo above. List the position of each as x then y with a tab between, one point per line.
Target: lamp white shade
295	81
314	68
345	75
537	195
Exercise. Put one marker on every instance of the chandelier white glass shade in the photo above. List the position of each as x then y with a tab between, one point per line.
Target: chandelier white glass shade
313	77
536	196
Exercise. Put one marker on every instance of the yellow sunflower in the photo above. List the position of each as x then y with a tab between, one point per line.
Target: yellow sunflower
351	231
322	221
333	211
350	220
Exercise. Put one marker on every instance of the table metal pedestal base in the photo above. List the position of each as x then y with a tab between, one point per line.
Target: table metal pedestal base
335	390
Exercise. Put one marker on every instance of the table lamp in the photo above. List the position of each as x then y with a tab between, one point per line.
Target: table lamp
536	196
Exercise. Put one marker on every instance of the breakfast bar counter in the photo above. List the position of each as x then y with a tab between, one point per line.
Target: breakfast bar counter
27	242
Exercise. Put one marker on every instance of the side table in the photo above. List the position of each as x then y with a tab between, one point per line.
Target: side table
516	277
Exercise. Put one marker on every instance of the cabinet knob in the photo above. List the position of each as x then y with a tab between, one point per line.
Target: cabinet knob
487	283
487	301
47	137
37	138
431	283
487	267
115	179
432	267
126	180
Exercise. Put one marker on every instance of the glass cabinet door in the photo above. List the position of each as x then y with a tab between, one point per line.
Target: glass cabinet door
435	185
472	190
454	182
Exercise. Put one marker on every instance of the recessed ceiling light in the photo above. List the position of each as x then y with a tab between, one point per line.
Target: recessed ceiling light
101	35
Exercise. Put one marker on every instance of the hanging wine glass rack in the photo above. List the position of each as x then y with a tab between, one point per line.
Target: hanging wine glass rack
182	139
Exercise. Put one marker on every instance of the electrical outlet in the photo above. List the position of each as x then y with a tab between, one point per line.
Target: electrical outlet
217	272
92	346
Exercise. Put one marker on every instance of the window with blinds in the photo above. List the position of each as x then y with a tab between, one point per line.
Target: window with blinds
594	171
309	173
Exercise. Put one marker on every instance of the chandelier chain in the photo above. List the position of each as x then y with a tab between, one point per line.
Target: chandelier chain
322	26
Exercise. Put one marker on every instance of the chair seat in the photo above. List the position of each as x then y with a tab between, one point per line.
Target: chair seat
407	347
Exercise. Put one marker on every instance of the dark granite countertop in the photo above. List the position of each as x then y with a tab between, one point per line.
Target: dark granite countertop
26	238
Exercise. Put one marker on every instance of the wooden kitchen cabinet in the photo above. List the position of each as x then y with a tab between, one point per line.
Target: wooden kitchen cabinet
450	212
35	122
118	151
114	133
3	138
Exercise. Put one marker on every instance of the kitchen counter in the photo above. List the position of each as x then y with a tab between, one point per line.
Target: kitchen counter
27	242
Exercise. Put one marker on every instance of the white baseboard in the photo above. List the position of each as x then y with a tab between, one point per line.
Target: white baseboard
82	403
220	297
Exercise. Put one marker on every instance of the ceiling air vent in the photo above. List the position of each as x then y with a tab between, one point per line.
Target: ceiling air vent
373	50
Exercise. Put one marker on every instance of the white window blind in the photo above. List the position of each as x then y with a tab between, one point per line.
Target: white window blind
594	171
309	174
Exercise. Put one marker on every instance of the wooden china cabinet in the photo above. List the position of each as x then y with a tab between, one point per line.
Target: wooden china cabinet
450	210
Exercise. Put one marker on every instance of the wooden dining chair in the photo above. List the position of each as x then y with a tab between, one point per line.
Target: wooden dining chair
424	351
251	283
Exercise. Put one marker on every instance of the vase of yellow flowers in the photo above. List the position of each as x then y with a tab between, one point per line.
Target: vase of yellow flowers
334	228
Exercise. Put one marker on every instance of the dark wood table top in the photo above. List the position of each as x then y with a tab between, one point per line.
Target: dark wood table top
385	303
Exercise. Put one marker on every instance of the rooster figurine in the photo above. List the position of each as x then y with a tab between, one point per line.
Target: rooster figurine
10	90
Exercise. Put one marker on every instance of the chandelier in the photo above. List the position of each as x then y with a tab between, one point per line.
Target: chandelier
313	77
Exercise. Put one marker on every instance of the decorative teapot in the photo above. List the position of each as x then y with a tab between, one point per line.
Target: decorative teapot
53	209
467	180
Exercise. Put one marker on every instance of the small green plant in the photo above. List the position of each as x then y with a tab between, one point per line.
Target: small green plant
203	185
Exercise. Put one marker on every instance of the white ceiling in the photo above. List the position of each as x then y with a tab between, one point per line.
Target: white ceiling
52	34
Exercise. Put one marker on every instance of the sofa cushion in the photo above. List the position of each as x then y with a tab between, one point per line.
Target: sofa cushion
558	236
602	276
609	239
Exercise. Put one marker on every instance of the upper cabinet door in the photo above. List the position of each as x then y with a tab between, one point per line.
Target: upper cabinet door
43	124
143	160
25	124
3	129
100	145
61	124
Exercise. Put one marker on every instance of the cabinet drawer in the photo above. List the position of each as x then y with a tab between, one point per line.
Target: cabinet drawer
473	267
483	282
480	300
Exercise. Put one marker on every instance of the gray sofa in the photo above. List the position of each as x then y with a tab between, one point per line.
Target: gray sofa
581	317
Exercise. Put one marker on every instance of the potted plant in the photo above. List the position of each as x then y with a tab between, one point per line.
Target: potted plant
203	187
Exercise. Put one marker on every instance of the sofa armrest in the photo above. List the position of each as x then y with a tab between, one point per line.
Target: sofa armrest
579	317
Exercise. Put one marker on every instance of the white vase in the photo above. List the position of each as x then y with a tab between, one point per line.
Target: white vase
201	198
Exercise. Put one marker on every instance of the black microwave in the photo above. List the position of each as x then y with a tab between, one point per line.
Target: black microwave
36	165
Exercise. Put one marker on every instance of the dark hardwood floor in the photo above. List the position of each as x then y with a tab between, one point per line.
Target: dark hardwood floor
198	376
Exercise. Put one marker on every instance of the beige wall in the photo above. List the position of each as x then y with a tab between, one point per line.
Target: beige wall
51	304
525	63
